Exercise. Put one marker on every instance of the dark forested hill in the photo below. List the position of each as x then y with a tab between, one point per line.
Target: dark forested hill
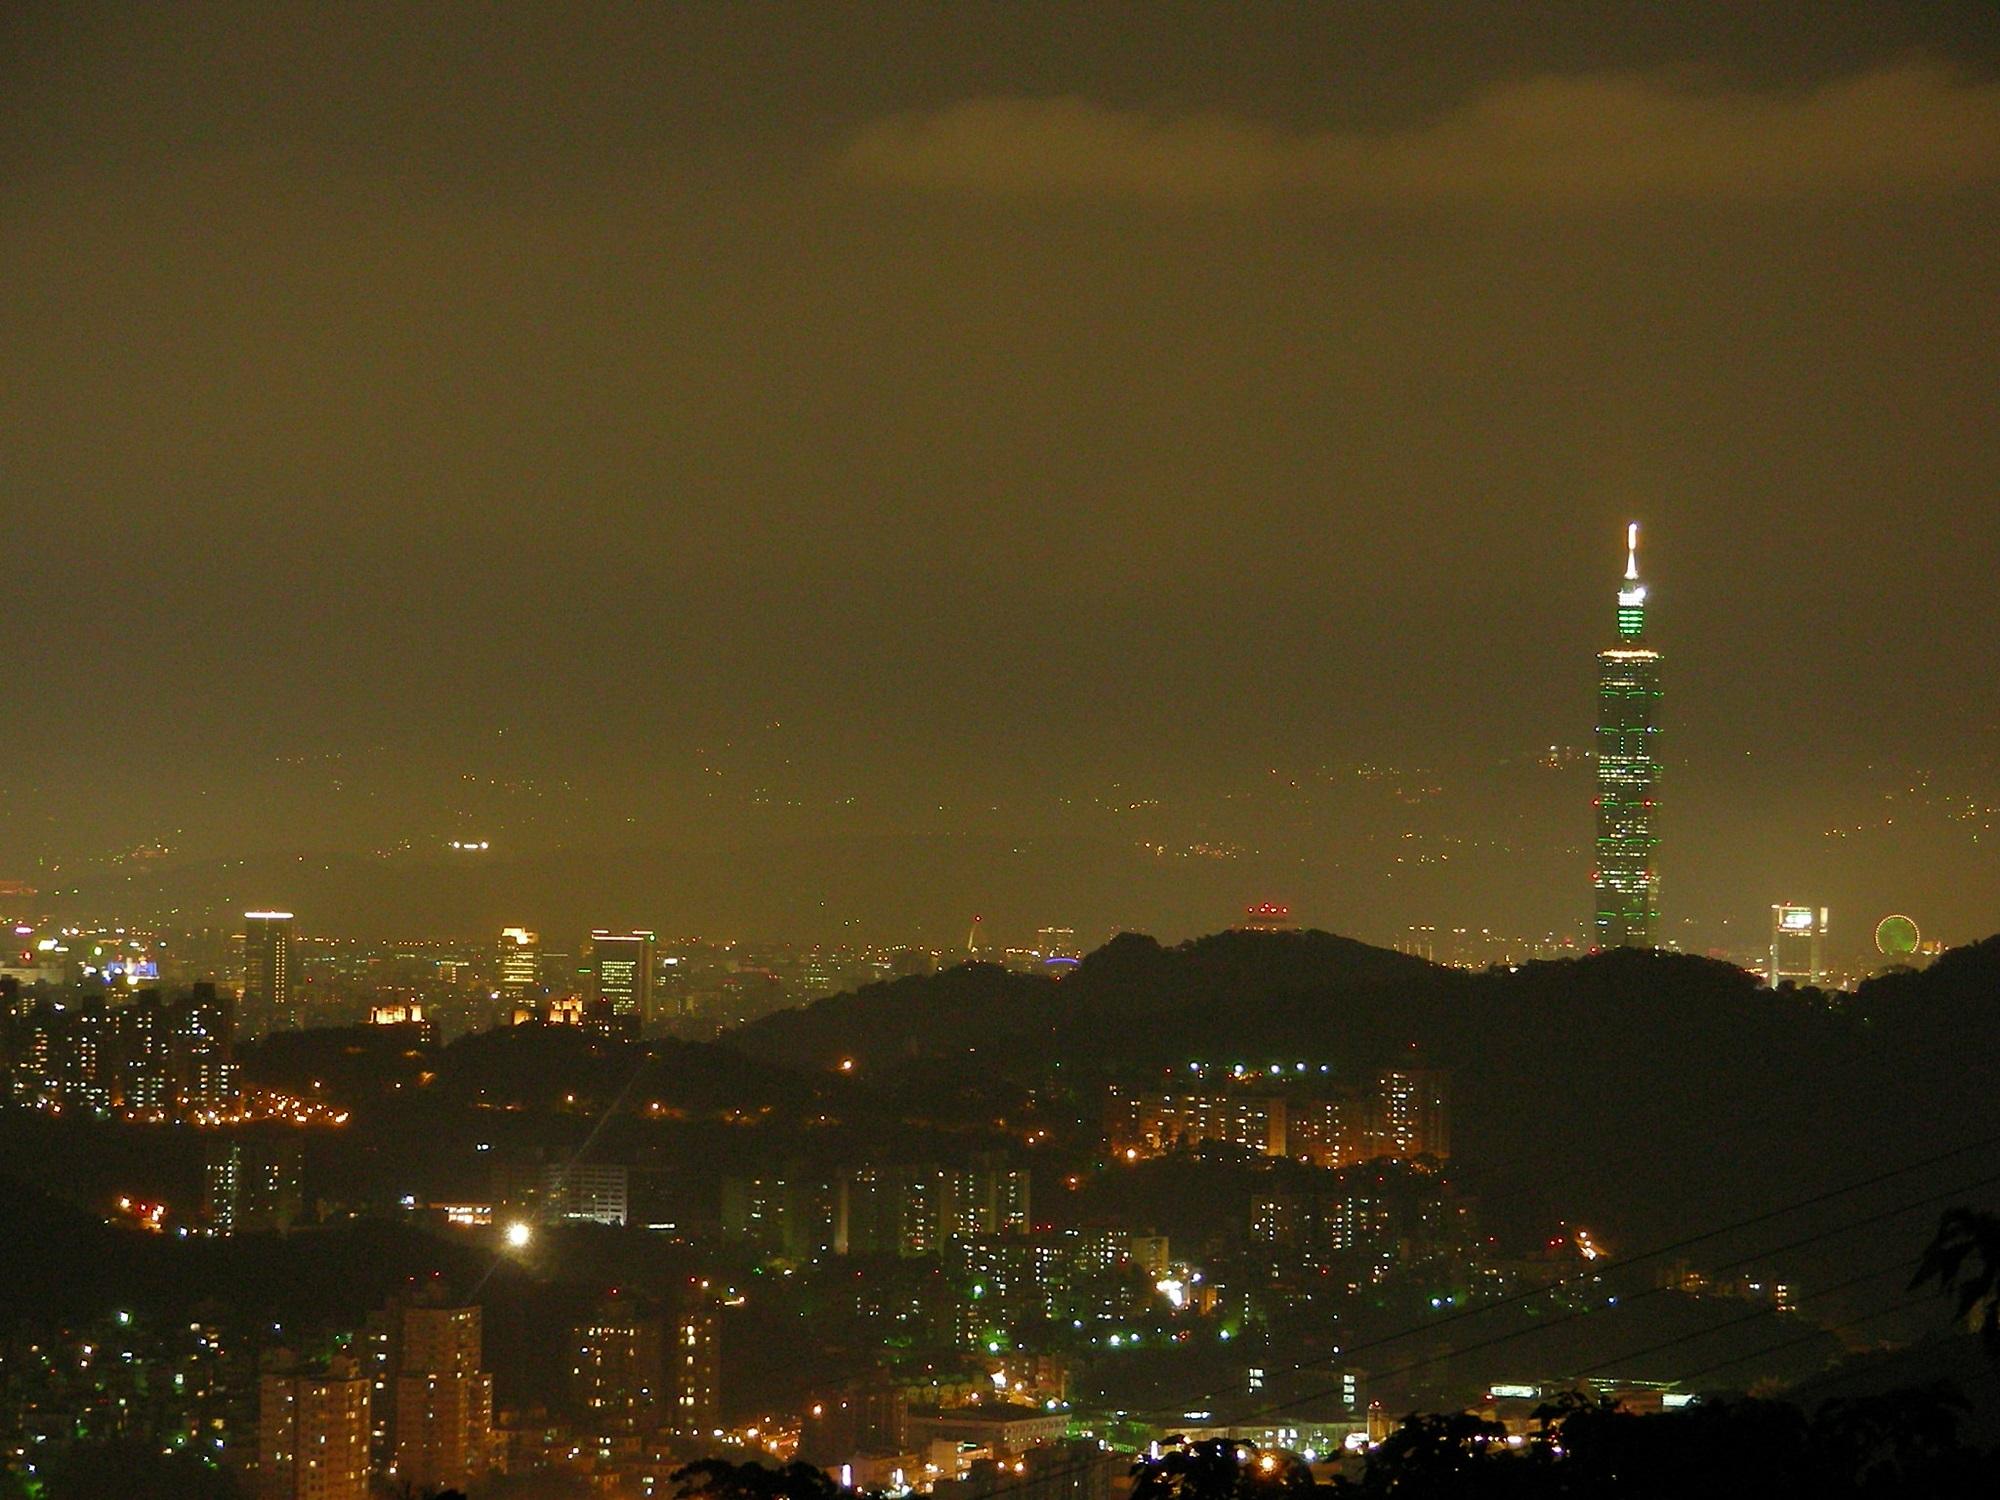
1650	1092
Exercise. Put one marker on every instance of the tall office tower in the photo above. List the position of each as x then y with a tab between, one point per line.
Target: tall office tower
621	977
312	1431
1798	942
1628	772
267	971
441	1427
520	963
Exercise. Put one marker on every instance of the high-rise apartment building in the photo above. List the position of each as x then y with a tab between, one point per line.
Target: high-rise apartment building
1626	880
146	1054
1405	1114
1414	1114
1146	1124
621	979
207	1078
86	1057
693	1372
618	1368
790	1213
312	1431
253	1183
441	1424
267	971
914	1210
150	1057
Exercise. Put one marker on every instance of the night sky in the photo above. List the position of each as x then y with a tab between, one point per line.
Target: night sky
1205	432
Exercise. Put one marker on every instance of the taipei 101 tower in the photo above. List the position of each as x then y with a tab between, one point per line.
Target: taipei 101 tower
1628	772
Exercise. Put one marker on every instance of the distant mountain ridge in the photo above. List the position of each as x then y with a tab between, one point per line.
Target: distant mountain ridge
1130	980
1644	1087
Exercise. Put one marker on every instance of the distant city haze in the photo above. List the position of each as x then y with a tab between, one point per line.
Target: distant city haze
832	477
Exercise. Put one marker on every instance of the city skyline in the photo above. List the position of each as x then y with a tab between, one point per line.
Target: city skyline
895	752
1174	422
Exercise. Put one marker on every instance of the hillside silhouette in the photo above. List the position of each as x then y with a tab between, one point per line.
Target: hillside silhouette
1645	1090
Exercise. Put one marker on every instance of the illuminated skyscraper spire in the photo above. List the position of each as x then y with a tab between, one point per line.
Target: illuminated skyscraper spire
1628	772
1632	597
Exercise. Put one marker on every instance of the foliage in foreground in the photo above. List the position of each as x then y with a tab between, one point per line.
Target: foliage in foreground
1897	1445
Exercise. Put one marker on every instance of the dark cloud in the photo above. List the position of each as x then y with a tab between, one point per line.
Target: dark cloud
1605	138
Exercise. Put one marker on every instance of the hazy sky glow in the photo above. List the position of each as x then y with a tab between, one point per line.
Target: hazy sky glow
864	421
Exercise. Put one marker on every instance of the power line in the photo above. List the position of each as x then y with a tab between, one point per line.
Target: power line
1526	1294
1571	1317
1276	1407
1737	1359
1754	1317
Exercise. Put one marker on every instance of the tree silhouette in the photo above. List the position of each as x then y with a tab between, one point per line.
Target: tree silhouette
1446	1456
1964	1257
719	1479
1903	1442
1217	1469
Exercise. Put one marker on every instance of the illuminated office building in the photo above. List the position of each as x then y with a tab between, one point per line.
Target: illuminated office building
621	977
520	963
1798	942
1628	773
1057	945
562	1192
267	970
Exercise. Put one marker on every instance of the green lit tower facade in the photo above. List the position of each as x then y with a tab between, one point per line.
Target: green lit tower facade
1628	772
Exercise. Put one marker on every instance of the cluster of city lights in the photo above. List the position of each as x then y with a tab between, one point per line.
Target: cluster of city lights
273	1105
